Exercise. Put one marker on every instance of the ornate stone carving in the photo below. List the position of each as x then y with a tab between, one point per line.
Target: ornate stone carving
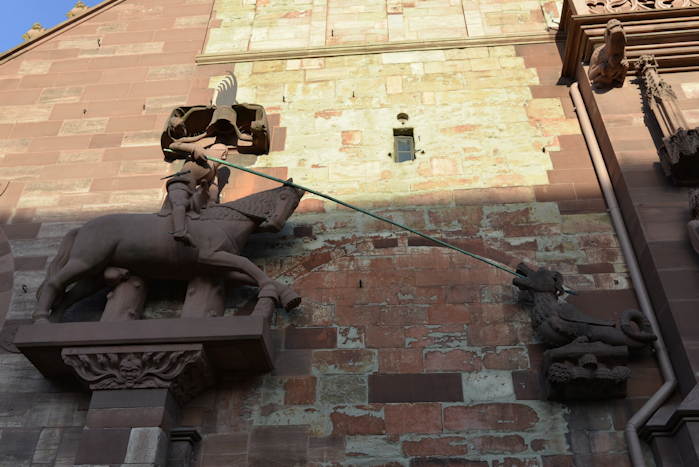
36	30
181	368
625	6
608	64
77	10
679	149
142	244
584	361
586	370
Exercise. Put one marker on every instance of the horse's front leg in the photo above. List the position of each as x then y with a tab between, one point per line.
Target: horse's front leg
246	272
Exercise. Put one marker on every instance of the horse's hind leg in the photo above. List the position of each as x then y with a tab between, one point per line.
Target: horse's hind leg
73	270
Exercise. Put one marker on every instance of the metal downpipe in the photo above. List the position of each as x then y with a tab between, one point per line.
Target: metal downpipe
661	395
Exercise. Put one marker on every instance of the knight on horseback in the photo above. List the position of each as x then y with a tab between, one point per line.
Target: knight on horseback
196	186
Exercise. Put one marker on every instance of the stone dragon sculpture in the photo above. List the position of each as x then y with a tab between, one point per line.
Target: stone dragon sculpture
559	323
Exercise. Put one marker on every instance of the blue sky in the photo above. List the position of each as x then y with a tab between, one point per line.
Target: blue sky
19	15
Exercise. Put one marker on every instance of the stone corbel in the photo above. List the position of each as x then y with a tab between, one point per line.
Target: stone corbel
183	369
679	150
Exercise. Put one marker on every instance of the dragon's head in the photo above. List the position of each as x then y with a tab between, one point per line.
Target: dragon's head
542	281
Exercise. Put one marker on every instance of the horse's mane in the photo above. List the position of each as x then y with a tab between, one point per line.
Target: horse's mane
255	207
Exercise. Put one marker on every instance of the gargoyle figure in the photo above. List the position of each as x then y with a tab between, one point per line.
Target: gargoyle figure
693	225
559	323
608	64
36	30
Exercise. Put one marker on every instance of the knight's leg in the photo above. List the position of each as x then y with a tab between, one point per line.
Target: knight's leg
72	271
179	199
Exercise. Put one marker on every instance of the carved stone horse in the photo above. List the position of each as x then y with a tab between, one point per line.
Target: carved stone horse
558	323
142	245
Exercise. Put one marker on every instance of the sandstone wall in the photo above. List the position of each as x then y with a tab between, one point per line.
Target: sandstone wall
505	174
255	25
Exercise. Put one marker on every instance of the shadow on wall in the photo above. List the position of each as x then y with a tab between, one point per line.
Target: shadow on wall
7	269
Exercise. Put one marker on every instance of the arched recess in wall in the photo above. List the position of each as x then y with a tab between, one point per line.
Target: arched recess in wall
7	272
301	273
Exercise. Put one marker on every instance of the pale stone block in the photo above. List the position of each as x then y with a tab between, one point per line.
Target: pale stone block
343	389
488	386
83	126
56	95
139	48
394	84
25	113
88	43
413	57
691	90
141	138
34	67
147	446
377	447
191	21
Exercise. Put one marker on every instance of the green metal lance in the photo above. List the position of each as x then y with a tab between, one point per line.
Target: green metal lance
491	262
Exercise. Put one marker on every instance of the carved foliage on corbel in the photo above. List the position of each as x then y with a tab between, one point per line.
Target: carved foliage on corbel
181	368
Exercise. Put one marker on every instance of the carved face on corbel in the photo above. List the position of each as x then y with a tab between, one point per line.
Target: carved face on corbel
131	369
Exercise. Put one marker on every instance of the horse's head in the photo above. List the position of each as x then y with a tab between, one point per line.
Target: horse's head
285	200
542	281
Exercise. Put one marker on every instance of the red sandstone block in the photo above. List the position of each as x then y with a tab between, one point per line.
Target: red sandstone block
344	361
136	182
499	444
160	88
131	37
81	170
183	46
590	190
554	192
142	122
198	95
125	75
101	92
59	79
71	65
558	461
109	140
447	446
400	360
8	84
360	421
310	205
506	359
153	24
59	142
452	360
384	336
448	314
413	418
180	34
310	338
495	417
493	334
572	176
34	129
133	153
171	58
20	96
110	63
300	390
